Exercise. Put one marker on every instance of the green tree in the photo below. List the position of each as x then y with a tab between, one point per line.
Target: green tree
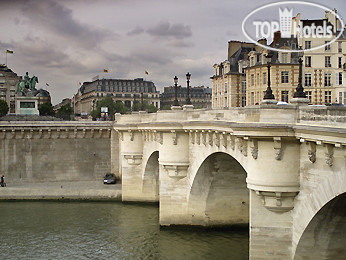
3	108
166	107
46	109
65	110
120	108
151	108
136	106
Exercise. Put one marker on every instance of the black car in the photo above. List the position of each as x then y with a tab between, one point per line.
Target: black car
109	179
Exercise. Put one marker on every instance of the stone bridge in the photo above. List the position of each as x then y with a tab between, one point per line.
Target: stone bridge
278	169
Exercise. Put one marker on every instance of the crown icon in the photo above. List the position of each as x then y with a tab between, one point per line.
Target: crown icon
285	22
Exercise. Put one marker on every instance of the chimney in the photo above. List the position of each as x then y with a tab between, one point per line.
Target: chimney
277	37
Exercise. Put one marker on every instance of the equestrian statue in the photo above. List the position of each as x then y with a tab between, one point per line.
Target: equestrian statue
27	86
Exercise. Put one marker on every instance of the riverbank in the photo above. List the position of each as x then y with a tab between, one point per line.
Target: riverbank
61	190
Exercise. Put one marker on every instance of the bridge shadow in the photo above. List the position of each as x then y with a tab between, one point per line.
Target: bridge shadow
219	195
324	237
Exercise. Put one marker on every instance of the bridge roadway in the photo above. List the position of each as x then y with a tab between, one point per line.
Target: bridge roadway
278	169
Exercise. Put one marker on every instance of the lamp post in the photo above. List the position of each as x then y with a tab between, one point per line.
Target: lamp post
300	90
269	92
175	103
188	101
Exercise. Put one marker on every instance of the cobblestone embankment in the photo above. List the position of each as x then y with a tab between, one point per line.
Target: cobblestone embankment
59	190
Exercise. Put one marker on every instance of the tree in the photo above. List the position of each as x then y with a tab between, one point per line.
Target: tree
136	106
46	109
113	107
166	107
65	110
3	108
151	108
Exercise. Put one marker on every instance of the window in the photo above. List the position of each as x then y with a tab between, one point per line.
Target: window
327	46
243	72
258	79
252	79
252	98
339	46
327	97
327	81
307	44
327	61
340	62
284	57
226	87
308	79
258	57
284	96
344	98
340	78
340	97
226	105
284	77
308	61
243	87
309	96
264	77
243	101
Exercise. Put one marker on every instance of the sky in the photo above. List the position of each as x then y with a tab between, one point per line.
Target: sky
66	42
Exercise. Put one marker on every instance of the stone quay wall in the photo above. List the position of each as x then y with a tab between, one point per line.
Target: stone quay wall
57	151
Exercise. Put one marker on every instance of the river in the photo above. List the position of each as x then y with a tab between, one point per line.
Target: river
105	230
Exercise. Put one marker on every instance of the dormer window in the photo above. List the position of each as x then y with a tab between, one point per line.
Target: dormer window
284	58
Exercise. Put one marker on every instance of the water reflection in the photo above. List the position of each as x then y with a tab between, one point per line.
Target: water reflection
100	230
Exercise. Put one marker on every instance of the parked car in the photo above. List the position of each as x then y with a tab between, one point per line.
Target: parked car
109	179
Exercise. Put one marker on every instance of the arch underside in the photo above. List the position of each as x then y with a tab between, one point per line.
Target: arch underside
219	195
150	187
324	237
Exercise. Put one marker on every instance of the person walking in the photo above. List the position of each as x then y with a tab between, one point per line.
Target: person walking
2	182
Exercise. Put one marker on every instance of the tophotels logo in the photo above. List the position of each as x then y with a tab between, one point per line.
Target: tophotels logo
329	28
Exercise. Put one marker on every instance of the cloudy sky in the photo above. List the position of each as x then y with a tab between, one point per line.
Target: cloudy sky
67	42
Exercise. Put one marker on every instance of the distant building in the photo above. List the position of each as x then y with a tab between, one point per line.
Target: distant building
120	90
323	71
62	103
200	97
229	82
8	84
284	71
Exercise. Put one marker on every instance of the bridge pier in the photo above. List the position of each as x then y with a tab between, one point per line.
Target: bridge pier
174	164
131	154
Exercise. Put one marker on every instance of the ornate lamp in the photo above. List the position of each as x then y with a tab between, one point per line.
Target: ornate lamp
188	101
269	92
175	103
300	90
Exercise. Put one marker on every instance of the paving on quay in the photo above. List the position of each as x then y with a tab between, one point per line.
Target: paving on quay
61	190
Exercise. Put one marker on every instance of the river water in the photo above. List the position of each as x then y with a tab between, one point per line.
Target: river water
104	230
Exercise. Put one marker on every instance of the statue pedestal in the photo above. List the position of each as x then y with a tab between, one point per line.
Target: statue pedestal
27	105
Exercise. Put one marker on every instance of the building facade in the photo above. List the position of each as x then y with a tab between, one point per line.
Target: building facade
200	97
8	84
120	90
283	70
228	81
323	72
242	79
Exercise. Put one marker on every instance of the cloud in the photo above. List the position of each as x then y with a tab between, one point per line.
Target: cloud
166	29
55	18
137	30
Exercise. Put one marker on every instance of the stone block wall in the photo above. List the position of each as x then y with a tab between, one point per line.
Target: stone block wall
36	153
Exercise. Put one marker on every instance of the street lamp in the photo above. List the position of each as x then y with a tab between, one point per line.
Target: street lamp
175	103
188	101
300	90
269	92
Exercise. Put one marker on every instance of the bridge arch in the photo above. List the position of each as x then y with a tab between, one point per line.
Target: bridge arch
324	237
218	194
313	210
150	188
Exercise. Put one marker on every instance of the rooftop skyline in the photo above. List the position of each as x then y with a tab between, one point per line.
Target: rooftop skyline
67	42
